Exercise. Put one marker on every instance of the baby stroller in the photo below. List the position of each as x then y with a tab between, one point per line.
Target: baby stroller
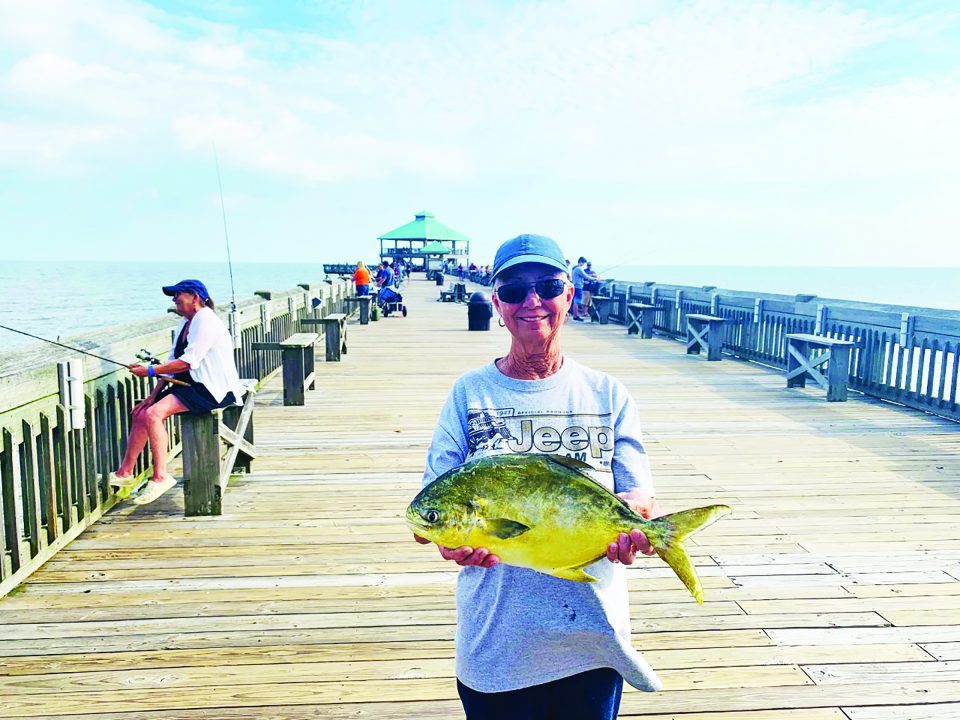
389	300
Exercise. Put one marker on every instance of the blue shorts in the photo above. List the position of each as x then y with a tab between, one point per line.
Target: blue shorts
363	290
591	695
578	296
197	399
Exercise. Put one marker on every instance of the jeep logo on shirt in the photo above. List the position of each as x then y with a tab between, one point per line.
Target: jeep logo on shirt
584	436
547	439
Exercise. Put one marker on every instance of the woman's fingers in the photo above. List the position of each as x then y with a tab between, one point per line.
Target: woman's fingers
625	551
490	561
467	556
612	552
458	555
476	557
628	546
641	543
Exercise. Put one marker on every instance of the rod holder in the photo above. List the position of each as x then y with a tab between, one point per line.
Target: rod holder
70	382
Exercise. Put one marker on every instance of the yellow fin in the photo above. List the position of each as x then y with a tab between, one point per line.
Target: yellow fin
570	462
503	528
667	533
576	574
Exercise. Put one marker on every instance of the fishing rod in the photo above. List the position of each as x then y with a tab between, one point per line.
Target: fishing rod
152	359
606	270
226	238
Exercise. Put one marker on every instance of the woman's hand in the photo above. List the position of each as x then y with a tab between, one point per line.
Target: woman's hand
629	545
138	370
464	556
141	406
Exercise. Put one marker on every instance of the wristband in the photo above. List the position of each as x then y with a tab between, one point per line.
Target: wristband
150	371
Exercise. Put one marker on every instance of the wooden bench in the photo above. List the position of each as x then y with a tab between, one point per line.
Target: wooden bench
706	332
363	302
205	475
456	293
640	319
800	366
297	356
600	307
334	332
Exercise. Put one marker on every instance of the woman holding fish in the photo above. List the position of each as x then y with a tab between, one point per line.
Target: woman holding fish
506	480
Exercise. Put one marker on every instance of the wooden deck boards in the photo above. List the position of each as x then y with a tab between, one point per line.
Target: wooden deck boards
833	592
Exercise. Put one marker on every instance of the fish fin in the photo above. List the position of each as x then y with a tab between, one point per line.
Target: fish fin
577	574
504	528
667	533
573	463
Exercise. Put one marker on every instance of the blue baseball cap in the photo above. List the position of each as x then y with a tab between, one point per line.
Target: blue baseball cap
190	286
528	249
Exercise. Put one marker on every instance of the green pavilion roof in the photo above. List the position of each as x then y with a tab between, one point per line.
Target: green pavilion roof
425	227
434	247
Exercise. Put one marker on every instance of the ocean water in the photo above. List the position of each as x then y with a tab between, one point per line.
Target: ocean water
52	299
63	299
928	287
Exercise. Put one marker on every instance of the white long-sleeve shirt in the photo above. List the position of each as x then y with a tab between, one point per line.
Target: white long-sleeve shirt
209	354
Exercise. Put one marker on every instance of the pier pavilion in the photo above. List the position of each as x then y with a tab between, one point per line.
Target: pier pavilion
832	593
423	240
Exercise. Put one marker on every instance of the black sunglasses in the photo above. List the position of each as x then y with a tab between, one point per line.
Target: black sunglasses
515	293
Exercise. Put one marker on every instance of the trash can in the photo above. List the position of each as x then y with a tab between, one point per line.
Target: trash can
479	312
438	276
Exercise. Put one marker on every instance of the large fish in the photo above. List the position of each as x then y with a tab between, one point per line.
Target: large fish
543	512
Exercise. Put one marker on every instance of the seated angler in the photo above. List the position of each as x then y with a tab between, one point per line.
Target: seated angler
202	360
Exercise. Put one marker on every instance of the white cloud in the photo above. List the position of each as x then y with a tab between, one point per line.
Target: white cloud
579	91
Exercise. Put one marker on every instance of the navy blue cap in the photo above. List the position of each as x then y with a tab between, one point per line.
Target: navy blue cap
190	286
528	249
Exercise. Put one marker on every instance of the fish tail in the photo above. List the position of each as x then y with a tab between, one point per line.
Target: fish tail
666	534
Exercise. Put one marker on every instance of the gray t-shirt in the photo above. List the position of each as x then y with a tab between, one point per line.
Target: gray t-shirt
517	627
579	276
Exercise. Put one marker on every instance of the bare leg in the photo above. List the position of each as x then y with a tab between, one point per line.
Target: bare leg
157	432
135	444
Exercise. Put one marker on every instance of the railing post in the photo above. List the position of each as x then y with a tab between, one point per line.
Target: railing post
715	303
907	324
679	303
757	310
821	325
11	511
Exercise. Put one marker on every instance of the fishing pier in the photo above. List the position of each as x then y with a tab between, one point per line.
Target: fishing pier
832	592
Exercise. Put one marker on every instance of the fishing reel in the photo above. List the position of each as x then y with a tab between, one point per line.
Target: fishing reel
148	357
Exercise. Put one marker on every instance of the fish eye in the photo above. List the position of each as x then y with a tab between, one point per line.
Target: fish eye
431	516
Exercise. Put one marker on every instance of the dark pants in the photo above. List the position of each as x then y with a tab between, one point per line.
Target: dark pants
592	695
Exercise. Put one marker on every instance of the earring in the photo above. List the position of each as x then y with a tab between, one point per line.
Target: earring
500	322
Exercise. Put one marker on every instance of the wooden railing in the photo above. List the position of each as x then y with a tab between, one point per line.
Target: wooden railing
907	355
53	475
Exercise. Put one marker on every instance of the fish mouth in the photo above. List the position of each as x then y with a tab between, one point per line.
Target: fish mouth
414	525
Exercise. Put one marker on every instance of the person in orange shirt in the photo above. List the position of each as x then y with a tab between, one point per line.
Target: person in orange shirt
361	278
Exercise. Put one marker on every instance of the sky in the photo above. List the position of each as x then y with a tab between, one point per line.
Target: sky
716	132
